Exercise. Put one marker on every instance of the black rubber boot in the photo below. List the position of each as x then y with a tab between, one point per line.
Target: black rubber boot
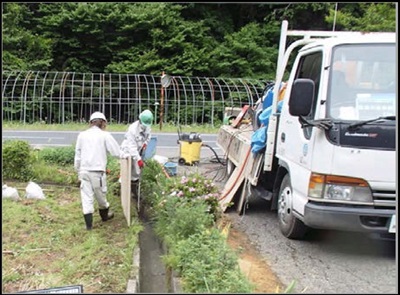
105	214
88	220
134	188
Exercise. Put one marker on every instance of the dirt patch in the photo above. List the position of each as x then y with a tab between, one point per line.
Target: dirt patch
252	264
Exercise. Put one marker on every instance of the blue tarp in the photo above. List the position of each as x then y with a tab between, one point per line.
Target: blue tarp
259	137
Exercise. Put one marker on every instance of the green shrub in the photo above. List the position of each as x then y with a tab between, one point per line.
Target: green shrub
113	174
185	210
56	165
152	184
208	265
178	219
54	173
59	155
17	160
195	187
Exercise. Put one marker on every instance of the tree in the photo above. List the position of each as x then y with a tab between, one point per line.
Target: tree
365	17
22	48
188	39
247	53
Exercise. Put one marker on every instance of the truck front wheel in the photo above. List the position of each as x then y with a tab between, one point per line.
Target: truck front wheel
290	226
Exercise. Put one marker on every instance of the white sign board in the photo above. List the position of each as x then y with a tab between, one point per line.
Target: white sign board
126	188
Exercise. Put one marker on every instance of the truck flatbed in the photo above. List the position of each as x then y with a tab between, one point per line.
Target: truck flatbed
236	144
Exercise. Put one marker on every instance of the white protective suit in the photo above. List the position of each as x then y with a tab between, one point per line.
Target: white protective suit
136	136
90	161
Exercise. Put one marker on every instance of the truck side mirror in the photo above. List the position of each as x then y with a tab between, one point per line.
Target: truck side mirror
301	97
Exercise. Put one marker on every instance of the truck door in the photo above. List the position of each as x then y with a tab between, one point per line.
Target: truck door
294	143
310	67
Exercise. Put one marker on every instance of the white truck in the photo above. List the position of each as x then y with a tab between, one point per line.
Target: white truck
330	155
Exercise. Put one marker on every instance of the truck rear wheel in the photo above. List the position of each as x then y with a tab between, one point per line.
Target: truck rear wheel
290	226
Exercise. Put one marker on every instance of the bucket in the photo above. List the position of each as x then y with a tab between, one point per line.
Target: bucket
171	168
151	148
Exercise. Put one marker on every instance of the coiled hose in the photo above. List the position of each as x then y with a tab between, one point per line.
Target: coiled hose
216	156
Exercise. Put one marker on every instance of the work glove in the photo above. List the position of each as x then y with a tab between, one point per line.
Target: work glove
144	146
140	163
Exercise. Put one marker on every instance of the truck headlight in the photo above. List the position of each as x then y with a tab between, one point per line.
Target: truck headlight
339	189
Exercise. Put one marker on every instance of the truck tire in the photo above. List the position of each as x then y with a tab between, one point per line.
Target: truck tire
290	226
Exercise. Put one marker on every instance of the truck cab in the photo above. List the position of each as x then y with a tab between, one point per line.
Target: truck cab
330	154
336	140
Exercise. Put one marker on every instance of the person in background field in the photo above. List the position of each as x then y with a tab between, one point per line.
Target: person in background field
134	145
90	162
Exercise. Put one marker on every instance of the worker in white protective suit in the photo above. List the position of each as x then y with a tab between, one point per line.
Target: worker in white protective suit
134	145
90	162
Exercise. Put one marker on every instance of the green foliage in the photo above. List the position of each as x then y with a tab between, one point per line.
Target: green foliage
244	54
187	39
208	265
53	173
23	49
49	165
178	219
59	155
194	187
185	212
113	175
364	17
290	288
17	160
153	181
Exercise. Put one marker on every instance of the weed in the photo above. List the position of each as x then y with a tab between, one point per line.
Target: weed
49	247
208	265
60	155
17	160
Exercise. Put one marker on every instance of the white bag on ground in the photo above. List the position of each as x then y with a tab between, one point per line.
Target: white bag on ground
160	159
10	192
34	191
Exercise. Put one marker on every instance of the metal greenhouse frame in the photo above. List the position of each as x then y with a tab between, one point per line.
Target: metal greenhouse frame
60	97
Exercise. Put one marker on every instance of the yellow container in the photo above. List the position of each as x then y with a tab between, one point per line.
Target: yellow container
189	152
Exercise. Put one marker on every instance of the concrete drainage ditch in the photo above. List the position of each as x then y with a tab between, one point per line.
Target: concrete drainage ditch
151	274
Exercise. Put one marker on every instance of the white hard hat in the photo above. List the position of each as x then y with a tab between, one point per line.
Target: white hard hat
97	115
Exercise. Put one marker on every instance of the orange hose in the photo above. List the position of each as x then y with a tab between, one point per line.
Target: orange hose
241	170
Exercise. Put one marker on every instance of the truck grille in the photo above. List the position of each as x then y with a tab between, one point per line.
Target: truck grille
384	199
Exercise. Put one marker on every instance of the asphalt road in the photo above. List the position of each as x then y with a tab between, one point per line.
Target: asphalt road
327	262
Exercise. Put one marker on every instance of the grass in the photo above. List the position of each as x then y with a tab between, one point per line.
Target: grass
112	127
45	242
46	245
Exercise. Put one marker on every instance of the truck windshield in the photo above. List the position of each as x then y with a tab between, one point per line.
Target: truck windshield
362	83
